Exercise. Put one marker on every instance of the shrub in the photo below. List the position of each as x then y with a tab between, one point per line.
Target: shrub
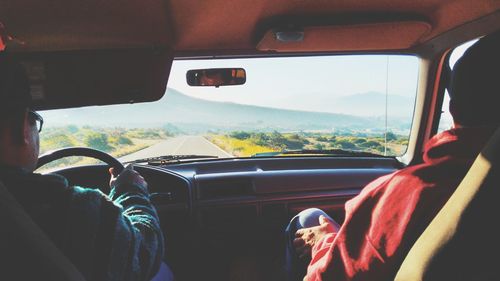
346	144
260	139
293	144
97	141
241	135
318	146
372	144
58	140
391	136
72	129
277	140
144	134
124	141
359	140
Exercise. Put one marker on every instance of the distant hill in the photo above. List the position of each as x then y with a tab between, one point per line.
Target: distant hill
193	114
373	104
184	109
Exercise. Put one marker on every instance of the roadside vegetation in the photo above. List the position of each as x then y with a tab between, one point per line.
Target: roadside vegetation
120	141
243	144
115	141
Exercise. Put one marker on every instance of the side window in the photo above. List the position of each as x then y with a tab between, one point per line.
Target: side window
446	121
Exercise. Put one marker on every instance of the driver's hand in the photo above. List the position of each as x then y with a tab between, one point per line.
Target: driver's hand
128	175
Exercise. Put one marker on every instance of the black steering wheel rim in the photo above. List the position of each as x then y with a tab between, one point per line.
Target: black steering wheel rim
81	151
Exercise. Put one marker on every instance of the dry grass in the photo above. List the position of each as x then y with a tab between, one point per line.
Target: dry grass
238	148
118	152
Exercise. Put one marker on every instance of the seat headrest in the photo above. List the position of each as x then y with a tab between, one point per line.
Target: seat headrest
474	83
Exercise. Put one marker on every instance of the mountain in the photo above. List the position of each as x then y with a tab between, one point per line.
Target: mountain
373	104
193	114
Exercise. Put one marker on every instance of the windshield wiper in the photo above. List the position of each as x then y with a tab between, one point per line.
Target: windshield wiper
168	159
329	152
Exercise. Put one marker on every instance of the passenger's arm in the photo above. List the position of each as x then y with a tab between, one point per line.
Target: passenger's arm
307	238
349	253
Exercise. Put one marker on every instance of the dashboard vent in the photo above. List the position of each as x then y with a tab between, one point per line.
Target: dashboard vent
213	189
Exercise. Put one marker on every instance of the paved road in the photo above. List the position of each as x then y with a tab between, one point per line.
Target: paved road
179	146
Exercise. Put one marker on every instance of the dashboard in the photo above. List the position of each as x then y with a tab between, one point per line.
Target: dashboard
214	213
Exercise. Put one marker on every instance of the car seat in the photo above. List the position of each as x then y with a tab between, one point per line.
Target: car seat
26	252
462	241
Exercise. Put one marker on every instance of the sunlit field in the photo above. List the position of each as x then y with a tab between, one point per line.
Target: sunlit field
246	144
115	141
120	142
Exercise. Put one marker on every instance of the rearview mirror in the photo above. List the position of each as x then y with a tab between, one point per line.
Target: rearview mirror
216	77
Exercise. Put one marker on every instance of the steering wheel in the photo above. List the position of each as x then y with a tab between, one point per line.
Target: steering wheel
81	151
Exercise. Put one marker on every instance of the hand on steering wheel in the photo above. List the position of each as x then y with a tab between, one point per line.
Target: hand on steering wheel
128	175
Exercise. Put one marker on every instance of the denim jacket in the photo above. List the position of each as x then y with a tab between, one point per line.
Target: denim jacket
107	237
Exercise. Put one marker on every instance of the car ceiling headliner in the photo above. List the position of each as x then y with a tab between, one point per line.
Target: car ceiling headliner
98	52
187	25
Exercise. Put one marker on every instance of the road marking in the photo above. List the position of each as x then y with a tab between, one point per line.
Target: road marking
166	148
180	145
220	149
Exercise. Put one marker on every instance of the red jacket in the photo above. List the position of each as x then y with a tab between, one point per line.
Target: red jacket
386	218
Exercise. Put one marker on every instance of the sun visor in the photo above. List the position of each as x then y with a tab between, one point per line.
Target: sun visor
83	78
356	37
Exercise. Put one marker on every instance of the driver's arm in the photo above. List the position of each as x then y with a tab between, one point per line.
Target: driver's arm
115	237
137	248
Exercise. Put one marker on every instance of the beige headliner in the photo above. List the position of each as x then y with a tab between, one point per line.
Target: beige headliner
74	43
211	25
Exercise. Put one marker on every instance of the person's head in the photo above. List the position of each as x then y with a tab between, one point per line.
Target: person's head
211	78
474	86
19	125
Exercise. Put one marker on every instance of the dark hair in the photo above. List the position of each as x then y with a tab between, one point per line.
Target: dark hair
15	96
14	83
474	84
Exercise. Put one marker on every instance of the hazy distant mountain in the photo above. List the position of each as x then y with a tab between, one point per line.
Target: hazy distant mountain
184	109
373	104
193	114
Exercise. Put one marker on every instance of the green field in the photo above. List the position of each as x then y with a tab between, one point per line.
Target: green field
120	141
115	141
244	144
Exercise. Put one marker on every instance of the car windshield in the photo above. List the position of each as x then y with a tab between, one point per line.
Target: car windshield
316	104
